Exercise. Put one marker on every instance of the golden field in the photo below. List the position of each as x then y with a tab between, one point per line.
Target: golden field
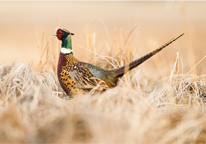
161	101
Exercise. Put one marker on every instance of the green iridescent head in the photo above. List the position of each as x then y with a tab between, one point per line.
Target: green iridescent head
65	36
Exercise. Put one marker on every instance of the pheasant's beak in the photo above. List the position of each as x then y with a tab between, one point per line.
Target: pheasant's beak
54	34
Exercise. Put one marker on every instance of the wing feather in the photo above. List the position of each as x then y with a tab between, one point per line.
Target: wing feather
84	78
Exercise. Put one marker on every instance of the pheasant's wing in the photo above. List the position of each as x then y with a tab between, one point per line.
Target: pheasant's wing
84	78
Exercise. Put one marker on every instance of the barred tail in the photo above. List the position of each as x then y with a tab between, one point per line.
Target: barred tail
122	70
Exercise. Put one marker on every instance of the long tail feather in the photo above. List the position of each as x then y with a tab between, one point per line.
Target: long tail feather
122	70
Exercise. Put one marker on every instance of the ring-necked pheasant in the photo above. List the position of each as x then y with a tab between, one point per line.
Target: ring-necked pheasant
75	76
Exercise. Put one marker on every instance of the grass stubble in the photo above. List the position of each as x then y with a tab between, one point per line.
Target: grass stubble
34	108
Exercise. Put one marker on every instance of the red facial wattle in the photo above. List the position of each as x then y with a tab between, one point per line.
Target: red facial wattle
59	34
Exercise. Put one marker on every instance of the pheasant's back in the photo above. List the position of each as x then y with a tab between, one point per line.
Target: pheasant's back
105	75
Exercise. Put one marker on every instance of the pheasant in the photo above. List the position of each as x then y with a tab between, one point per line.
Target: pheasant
80	77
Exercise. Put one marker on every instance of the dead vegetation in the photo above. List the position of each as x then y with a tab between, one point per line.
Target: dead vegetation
34	109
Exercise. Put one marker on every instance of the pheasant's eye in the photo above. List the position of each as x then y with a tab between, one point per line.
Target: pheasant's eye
59	33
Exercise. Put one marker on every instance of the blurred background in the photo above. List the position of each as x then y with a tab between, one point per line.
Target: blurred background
26	27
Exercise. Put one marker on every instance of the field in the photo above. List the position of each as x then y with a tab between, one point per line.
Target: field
161	101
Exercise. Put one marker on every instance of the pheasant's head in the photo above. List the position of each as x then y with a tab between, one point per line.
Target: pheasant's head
62	33
65	37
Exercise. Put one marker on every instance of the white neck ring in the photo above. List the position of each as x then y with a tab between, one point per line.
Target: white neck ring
66	51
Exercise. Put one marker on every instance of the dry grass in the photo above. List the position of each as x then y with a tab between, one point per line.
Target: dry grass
34	109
